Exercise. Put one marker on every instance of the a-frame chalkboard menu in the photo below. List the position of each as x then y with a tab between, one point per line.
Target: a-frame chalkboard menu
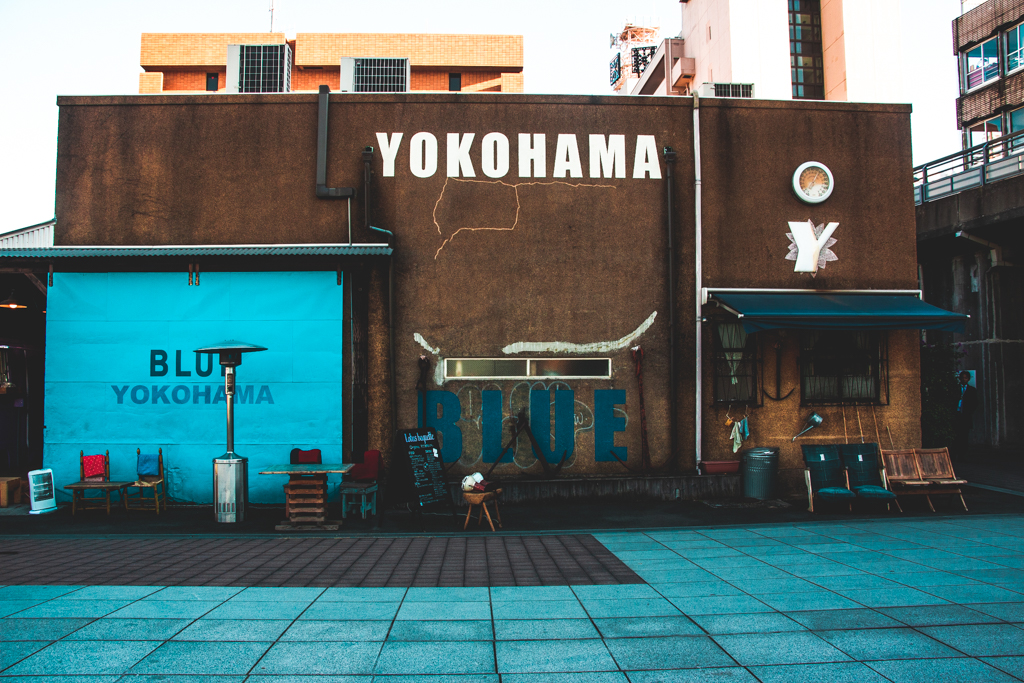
419	468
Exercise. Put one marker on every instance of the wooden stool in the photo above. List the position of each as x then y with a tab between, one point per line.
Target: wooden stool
360	496
481	499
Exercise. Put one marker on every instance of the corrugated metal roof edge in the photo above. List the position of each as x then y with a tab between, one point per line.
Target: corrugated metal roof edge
202	250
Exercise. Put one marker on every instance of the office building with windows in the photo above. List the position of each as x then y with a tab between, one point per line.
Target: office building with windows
969	219
781	49
349	62
989	43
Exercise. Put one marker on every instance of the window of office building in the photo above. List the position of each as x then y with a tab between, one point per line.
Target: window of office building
981	64
1016	118
454	82
842	366
983	132
1015	48
805	54
212	81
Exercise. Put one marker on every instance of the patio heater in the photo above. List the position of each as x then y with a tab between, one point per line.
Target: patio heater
230	471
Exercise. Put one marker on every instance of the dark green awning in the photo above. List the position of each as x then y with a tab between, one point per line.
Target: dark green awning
823	311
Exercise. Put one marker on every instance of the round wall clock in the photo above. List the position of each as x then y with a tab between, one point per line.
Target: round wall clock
813	182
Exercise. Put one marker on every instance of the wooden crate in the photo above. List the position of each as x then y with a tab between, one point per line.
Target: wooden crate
10	491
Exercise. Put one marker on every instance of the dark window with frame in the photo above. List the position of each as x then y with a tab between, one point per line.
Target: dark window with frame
454	82
212	80
735	364
843	366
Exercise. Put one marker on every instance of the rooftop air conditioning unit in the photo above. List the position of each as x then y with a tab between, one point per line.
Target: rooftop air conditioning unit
259	68
40	492
726	90
374	74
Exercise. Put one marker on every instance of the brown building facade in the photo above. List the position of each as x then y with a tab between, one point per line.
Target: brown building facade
540	246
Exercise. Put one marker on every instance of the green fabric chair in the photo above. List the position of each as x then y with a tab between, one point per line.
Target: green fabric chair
865	472
825	476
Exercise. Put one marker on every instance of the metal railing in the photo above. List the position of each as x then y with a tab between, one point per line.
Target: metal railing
996	159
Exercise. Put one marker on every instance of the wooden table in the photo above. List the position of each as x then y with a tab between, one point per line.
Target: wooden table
306	495
78	489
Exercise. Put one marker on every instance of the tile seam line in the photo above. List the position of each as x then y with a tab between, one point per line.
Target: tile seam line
930	518
278	639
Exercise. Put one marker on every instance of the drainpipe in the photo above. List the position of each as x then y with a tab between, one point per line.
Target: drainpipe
670	162
322	191
698	277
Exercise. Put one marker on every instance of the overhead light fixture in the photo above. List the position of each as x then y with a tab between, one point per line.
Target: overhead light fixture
11	302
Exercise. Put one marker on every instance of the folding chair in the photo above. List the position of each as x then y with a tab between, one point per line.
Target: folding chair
904	474
937	468
866	474
825	476
150	470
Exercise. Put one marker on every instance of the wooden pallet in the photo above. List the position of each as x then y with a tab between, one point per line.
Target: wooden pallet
306	503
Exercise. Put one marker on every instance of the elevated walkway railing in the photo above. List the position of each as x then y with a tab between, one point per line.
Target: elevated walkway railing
999	158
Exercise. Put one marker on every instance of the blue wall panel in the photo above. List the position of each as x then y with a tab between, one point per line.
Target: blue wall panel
102	329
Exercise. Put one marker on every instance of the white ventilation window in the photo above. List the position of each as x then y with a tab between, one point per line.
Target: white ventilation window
259	68
516	368
374	74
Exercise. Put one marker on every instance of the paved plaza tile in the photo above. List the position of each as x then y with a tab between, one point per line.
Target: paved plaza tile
821	601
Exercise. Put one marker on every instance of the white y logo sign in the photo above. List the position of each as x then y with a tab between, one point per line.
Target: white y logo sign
810	245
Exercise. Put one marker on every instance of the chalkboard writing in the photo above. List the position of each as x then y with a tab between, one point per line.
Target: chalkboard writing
419	457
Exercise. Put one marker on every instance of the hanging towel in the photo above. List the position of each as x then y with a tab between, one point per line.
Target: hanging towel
744	429
736	436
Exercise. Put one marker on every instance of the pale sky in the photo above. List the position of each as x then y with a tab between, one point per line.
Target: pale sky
64	47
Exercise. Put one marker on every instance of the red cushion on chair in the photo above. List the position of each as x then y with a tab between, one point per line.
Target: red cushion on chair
310	457
93	467
366	470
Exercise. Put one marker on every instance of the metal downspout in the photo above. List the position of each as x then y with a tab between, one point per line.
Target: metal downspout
670	162
698	279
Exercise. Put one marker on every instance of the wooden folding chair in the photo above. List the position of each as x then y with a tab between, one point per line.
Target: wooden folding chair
937	468
904	474
150	470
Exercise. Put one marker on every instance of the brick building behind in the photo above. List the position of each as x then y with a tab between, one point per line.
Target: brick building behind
183	62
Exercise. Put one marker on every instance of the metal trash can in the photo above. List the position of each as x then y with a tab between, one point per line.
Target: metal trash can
760	466
230	488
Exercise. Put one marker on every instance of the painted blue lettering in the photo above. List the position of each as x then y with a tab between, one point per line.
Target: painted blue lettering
157	363
140	394
264	395
491	426
120	394
160	392
177	366
204	392
606	423
199	364
220	396
540	422
244	394
180	394
448	432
